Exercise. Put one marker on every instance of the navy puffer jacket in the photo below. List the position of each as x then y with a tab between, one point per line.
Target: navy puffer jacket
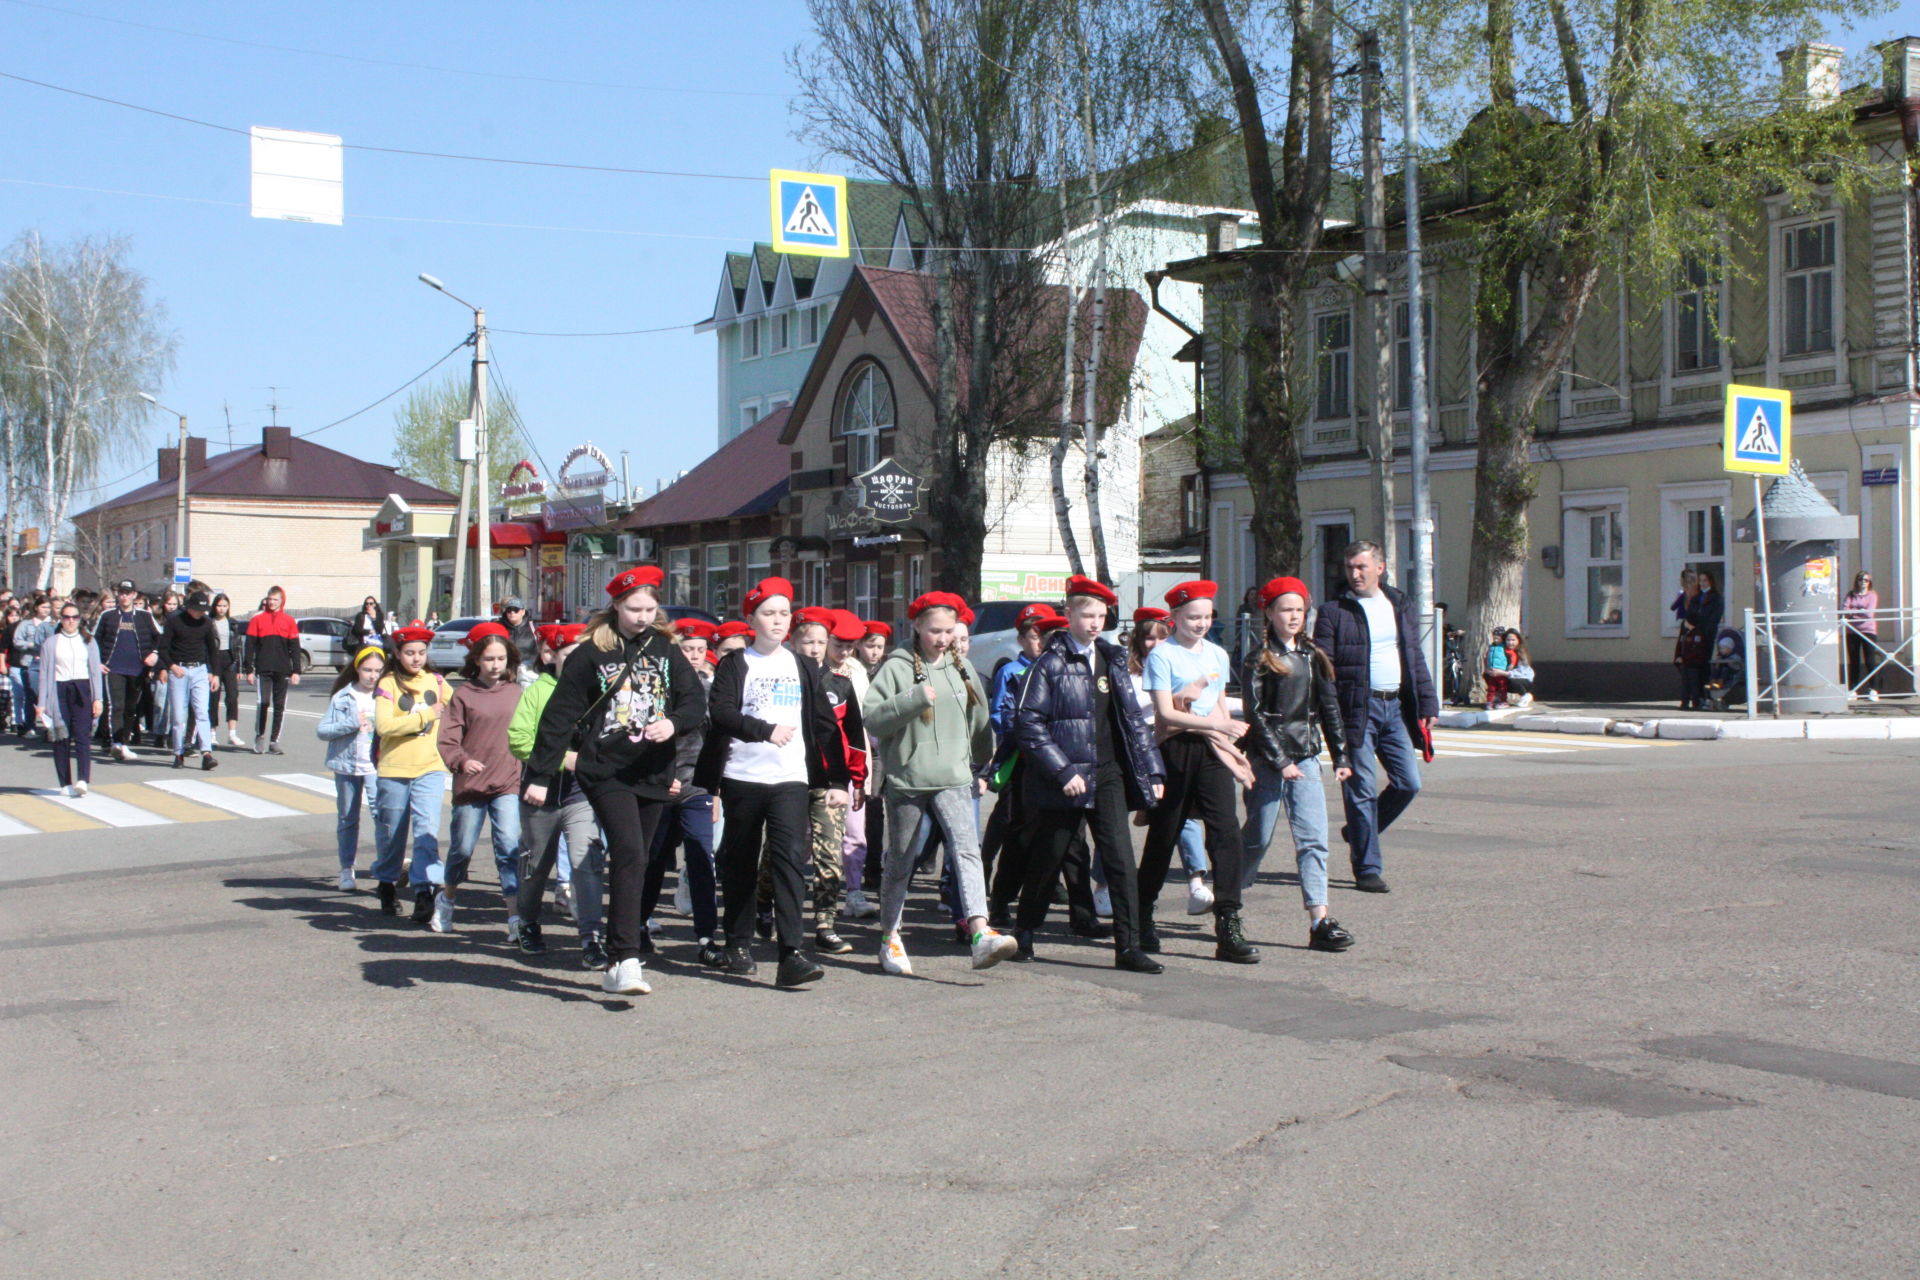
1053	726
1341	629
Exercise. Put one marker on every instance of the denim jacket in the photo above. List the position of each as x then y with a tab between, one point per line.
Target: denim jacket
346	741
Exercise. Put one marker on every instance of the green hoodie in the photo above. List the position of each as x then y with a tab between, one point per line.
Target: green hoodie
525	726
918	756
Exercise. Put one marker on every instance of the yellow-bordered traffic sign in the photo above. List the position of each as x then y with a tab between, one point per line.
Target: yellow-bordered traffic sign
1759	433
810	214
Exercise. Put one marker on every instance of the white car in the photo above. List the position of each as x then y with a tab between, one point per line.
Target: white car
447	651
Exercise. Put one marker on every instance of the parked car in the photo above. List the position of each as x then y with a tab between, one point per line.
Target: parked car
323	642
447	651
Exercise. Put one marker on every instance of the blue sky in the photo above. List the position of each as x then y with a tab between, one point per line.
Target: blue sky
332	317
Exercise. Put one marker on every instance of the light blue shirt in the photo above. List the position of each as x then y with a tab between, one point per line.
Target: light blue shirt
1172	666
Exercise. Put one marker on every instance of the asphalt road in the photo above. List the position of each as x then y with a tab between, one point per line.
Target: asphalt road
1626	1013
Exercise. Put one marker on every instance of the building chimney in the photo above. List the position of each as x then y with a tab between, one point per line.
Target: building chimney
1900	60
1810	75
170	462
196	454
1223	231
277	442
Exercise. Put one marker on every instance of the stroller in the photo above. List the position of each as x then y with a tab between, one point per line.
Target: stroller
1456	682
1727	670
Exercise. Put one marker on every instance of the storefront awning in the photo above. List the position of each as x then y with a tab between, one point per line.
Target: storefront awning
513	534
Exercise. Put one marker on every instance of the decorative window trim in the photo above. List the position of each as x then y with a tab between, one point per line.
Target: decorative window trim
1675	501
1780	365
1577	504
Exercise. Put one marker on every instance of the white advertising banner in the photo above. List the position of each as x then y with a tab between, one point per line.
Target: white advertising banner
297	176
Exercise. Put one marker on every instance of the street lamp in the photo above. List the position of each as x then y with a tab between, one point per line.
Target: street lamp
180	499
477	410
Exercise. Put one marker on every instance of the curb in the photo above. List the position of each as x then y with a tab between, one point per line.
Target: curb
1870	730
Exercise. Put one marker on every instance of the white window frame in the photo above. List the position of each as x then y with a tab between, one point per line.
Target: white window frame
863	588
751	346
782	336
817	580
1672	377
1575	508
717	559
758	555
1319	549
916	576
680	589
812	324
750	413
1779	363
869	436
1321	359
1676	502
1402	306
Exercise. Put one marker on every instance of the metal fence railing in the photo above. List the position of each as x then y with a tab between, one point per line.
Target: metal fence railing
1857	660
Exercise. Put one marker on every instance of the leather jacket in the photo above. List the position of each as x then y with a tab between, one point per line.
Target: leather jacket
1054	728
1290	710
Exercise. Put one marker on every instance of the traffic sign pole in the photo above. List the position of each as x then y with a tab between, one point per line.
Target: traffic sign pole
1759	441
1766	594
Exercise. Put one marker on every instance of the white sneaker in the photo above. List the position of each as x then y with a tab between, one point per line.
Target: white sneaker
1873	695
233	738
1524	700
1102	902
442	920
858	907
79	788
1199	897
683	895
346	879
563	897
626	979
654	927
123	753
893	957
72	792
990	948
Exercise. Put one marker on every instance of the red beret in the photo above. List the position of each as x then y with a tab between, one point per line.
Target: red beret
567	633
1034	613
878	629
486	631
764	590
728	630
713	657
845	627
641	575
695	628
1149	613
1051	624
966	614
1187	592
939	600
415	634
1081	585
1281	586
815	613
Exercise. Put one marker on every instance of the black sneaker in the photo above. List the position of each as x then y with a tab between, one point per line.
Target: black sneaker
1327	935
207	761
531	943
1370	882
423	906
1098	929
593	952
763	925
1230	941
1149	936
646	939
740	962
711	955
796	970
830	943
1134	960
273	749
179	762
1000	918
1024	939
389	899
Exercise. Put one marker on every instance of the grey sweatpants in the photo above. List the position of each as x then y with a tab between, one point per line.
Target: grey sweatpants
540	832
953	810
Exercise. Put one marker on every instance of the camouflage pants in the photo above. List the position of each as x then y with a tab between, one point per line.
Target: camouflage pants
829	839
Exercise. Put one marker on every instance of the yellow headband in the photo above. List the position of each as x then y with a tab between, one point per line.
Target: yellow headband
373	651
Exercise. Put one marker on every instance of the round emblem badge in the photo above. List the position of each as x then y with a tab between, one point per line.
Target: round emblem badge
1102	683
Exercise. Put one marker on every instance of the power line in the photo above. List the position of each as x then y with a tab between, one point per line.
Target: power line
609	333
387	62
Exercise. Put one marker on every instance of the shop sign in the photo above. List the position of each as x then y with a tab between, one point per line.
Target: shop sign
890	492
524	487
1027	583
574	513
553	556
584	470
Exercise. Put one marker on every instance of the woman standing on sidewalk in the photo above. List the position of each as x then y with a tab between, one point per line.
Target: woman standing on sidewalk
1863	637
72	689
626	691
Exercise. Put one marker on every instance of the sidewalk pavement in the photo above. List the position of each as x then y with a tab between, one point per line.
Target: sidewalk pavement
1872	721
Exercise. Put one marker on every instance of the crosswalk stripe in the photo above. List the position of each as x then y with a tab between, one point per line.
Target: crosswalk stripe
8	827
223	797
44	815
107	809
307	782
170	807
277	793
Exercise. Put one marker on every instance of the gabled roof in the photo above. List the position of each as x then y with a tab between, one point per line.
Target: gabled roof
310	472
744	477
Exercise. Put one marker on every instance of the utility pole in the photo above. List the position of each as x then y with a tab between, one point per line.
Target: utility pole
1422	580
1376	314
180	495
482	474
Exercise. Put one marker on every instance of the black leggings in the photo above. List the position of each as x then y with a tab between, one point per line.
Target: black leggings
629	822
273	693
780	810
1199	786
229	690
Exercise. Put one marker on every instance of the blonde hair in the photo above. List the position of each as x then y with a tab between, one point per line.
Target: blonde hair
966	678
603	632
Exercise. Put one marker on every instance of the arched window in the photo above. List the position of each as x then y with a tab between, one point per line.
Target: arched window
866	409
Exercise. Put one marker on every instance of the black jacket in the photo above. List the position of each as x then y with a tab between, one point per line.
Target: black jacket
106	632
819	727
686	754
363	626
602	699
1289	710
188	643
1341	629
1054	729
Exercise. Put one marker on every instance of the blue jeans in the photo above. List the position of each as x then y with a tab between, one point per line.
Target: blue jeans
503	812
400	803
1305	800
1193	847
348	791
24	685
1370	811
189	699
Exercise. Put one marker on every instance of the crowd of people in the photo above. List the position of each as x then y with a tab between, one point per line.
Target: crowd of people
127	670
766	756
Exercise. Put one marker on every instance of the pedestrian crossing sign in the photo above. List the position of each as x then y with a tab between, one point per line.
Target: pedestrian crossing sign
1759	430
810	214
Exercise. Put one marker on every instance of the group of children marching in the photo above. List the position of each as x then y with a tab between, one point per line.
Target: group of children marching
638	736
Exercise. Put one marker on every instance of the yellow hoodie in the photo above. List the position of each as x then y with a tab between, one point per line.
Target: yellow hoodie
406	718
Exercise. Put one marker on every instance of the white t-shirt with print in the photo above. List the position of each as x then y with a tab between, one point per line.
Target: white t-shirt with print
770	691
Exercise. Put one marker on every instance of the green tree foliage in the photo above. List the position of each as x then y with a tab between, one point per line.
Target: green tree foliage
425	424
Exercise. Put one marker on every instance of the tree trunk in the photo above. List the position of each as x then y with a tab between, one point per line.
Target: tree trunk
10	459
1090	388
1063	439
1270	448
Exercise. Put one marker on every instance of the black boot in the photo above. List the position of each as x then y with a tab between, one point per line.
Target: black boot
423	906
389	899
1024	939
1149	940
1230	940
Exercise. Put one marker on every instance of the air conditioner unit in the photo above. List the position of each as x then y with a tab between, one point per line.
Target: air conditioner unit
635	547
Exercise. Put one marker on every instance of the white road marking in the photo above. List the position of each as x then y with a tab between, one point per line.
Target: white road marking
219	797
306	782
115	813
14	827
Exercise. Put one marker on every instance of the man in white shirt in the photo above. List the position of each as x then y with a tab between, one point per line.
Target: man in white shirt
1386	699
